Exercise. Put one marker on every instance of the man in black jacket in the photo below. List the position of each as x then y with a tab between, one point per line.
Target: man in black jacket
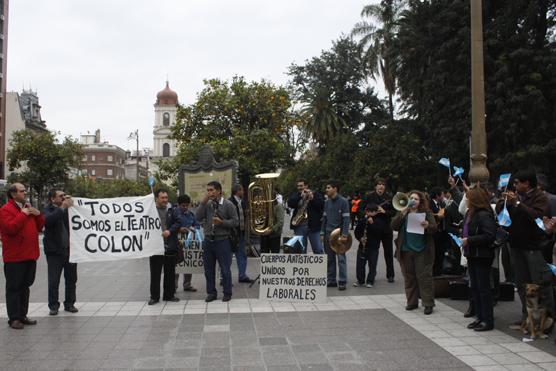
239	250
386	211
56	249
310	227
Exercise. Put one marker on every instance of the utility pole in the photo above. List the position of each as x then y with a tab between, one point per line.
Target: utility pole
478	146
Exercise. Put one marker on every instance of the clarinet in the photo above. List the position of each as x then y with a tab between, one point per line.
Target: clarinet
363	241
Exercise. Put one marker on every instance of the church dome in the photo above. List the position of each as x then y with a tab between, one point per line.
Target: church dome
167	97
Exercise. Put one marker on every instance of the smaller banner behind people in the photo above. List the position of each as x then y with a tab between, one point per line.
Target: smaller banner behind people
114	229
192	254
293	277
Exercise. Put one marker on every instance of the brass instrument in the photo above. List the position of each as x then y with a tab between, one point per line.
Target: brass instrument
338	246
301	216
260	195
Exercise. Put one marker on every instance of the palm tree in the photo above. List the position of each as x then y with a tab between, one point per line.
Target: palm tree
377	39
324	115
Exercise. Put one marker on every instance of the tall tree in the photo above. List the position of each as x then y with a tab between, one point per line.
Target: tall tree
41	160
377	33
250	122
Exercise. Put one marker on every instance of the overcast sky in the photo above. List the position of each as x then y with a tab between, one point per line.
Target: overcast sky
99	64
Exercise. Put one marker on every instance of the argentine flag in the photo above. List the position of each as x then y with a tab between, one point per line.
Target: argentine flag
504	218
458	171
456	239
540	224
445	162
504	180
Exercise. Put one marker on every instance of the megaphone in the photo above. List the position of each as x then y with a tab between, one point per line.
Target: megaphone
401	201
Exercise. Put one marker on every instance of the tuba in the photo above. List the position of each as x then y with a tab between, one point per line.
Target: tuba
260	195
339	247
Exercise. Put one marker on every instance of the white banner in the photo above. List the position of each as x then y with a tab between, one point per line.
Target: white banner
293	277
114	229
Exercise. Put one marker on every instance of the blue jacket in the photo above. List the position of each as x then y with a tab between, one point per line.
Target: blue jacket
56	231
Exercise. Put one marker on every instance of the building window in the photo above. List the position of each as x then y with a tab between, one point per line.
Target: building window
108	172
84	157
84	172
93	172
93	158
166	119
109	158
165	150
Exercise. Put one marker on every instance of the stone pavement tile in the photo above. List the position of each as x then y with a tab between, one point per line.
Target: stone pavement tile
317	367
490	368
278	356
523	367
306	348
490	349
243	340
150	363
342	356
464	350
331	347
384	365
519	347
311	358
283	368
478	360
547	366
508	358
187	352
113	363
249	368
537	357
246	356
182	363
263	341
212	340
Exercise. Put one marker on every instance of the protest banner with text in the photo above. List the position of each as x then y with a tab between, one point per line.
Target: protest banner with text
114	229
293	277
192	259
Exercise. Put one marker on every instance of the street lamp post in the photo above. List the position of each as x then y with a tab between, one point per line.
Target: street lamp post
478	171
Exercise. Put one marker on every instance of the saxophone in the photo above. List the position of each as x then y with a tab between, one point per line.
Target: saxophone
301	216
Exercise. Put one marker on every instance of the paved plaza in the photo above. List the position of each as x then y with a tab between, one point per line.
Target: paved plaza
357	329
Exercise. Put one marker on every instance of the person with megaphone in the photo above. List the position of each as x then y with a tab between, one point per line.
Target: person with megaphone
416	226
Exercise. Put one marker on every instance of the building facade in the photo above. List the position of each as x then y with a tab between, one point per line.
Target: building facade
23	111
101	160
4	7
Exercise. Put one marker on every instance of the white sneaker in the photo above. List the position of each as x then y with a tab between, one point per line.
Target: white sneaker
356	284
369	286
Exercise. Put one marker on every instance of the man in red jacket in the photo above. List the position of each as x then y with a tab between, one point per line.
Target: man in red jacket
20	224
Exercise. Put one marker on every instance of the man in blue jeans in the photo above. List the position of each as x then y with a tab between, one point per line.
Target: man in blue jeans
241	255
218	216
336	215
313	204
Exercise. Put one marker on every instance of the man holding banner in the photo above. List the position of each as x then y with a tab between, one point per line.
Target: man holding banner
169	259
218	216
56	249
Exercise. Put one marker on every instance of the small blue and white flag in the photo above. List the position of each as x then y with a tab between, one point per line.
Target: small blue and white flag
458	171
151	181
540	224
456	239
504	180
504	219
552	268
445	162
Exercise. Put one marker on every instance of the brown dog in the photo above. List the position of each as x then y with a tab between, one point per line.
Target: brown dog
537	321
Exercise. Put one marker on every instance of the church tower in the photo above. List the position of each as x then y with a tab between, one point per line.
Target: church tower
164	117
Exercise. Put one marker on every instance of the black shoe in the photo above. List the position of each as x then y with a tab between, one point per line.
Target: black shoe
245	280
428	310
190	289
331	284
152	302
342	286
174	299
483	326
227	298
28	321
391	279
71	309
474	324
17	325
210	298
411	307
470	312
53	312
